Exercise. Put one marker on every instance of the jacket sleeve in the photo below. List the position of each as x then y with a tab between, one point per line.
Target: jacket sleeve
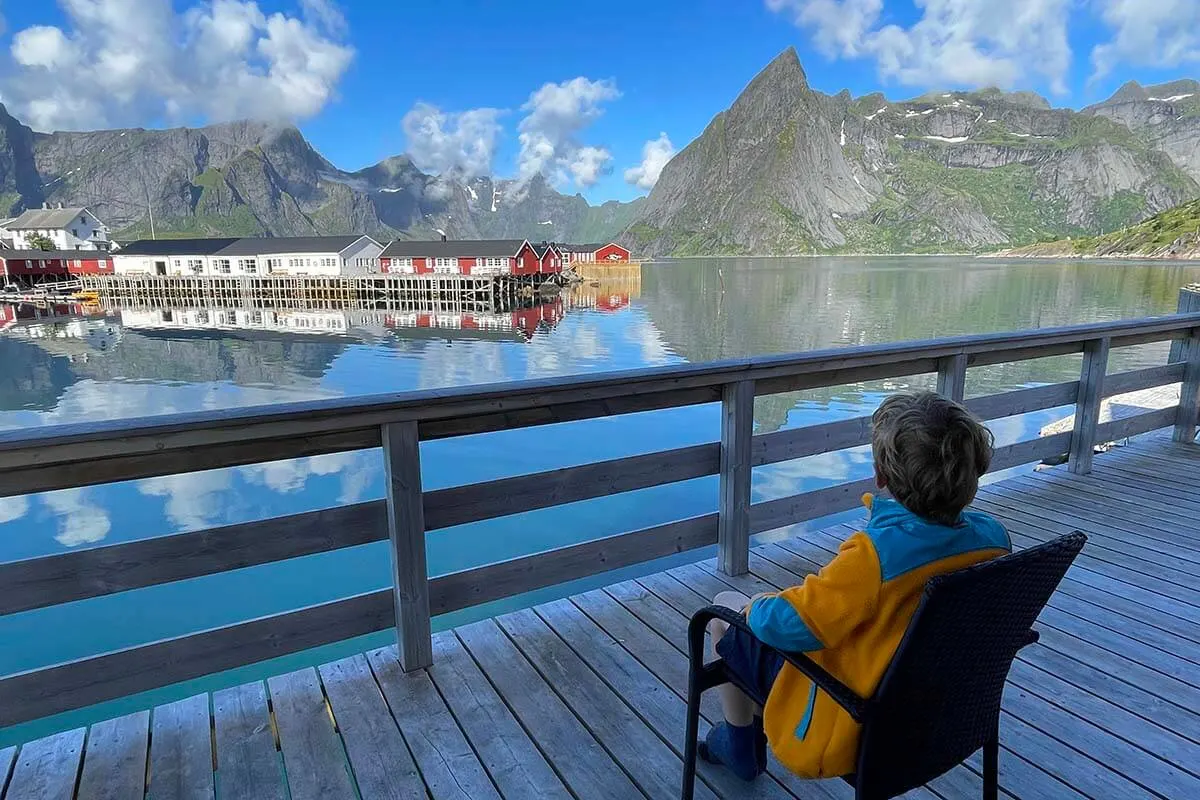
824	609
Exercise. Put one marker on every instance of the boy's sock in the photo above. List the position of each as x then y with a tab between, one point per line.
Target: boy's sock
741	749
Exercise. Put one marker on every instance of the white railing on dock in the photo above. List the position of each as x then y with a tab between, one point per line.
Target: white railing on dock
89	454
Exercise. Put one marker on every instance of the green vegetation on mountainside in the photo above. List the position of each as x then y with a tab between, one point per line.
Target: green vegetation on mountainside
1172	233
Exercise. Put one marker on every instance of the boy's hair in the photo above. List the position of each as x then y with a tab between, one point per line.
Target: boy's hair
930	453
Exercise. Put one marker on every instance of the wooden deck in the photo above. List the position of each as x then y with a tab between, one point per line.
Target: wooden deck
583	697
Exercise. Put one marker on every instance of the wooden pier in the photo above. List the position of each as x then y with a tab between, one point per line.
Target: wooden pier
582	696
389	292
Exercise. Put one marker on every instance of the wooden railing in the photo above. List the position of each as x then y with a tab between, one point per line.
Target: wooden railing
83	455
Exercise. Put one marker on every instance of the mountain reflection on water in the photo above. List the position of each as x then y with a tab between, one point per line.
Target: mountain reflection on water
66	365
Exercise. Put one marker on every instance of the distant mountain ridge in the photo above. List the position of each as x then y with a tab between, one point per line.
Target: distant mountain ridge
787	169
251	179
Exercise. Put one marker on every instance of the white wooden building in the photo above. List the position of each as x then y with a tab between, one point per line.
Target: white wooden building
295	255
73	228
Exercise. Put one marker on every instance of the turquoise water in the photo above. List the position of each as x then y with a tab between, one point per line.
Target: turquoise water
132	364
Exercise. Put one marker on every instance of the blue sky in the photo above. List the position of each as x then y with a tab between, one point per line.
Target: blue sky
620	72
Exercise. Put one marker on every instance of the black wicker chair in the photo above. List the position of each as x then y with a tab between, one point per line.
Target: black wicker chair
939	700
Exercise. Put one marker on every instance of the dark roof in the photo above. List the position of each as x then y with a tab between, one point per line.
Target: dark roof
455	248
45	218
289	244
250	246
583	248
52	254
174	247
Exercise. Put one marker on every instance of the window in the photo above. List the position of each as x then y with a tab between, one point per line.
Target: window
248	265
41	263
445	265
223	266
256	317
196	265
83	220
75	232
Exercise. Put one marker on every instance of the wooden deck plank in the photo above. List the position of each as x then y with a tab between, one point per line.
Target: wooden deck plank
447	763
1136	730
1178	508
8	757
650	762
383	768
656	703
115	758
248	765
1160	549
47	768
1089	514
515	764
1126	762
1159	488
581	761
1149	470
663	653
114	762
1172	506
313	758
181	757
1064	763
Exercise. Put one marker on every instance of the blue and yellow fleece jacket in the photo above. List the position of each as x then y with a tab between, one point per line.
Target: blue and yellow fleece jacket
849	618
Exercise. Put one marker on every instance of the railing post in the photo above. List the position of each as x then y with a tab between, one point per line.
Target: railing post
1189	303
952	377
1087	404
1189	394
733	526
406	528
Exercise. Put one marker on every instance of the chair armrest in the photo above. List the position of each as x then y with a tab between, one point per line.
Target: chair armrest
844	696
1033	637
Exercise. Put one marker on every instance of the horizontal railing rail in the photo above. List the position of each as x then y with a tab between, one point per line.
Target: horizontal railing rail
81	455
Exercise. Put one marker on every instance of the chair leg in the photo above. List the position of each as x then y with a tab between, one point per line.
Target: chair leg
692	734
991	767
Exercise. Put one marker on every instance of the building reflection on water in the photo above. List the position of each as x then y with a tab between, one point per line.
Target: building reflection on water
79	330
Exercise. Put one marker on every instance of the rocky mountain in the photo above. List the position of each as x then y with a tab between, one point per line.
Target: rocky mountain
1171	234
787	169
251	179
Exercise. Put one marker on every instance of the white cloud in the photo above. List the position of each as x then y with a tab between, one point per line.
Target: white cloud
458	144
1154	33
80	521
42	46
954	43
587	164
289	477
142	62
655	155
13	508
193	501
549	133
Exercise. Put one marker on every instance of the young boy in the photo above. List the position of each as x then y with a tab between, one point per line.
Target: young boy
929	454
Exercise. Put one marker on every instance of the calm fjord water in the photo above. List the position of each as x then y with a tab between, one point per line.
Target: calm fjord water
670	312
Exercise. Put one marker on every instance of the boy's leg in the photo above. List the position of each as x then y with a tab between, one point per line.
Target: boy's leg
738	708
